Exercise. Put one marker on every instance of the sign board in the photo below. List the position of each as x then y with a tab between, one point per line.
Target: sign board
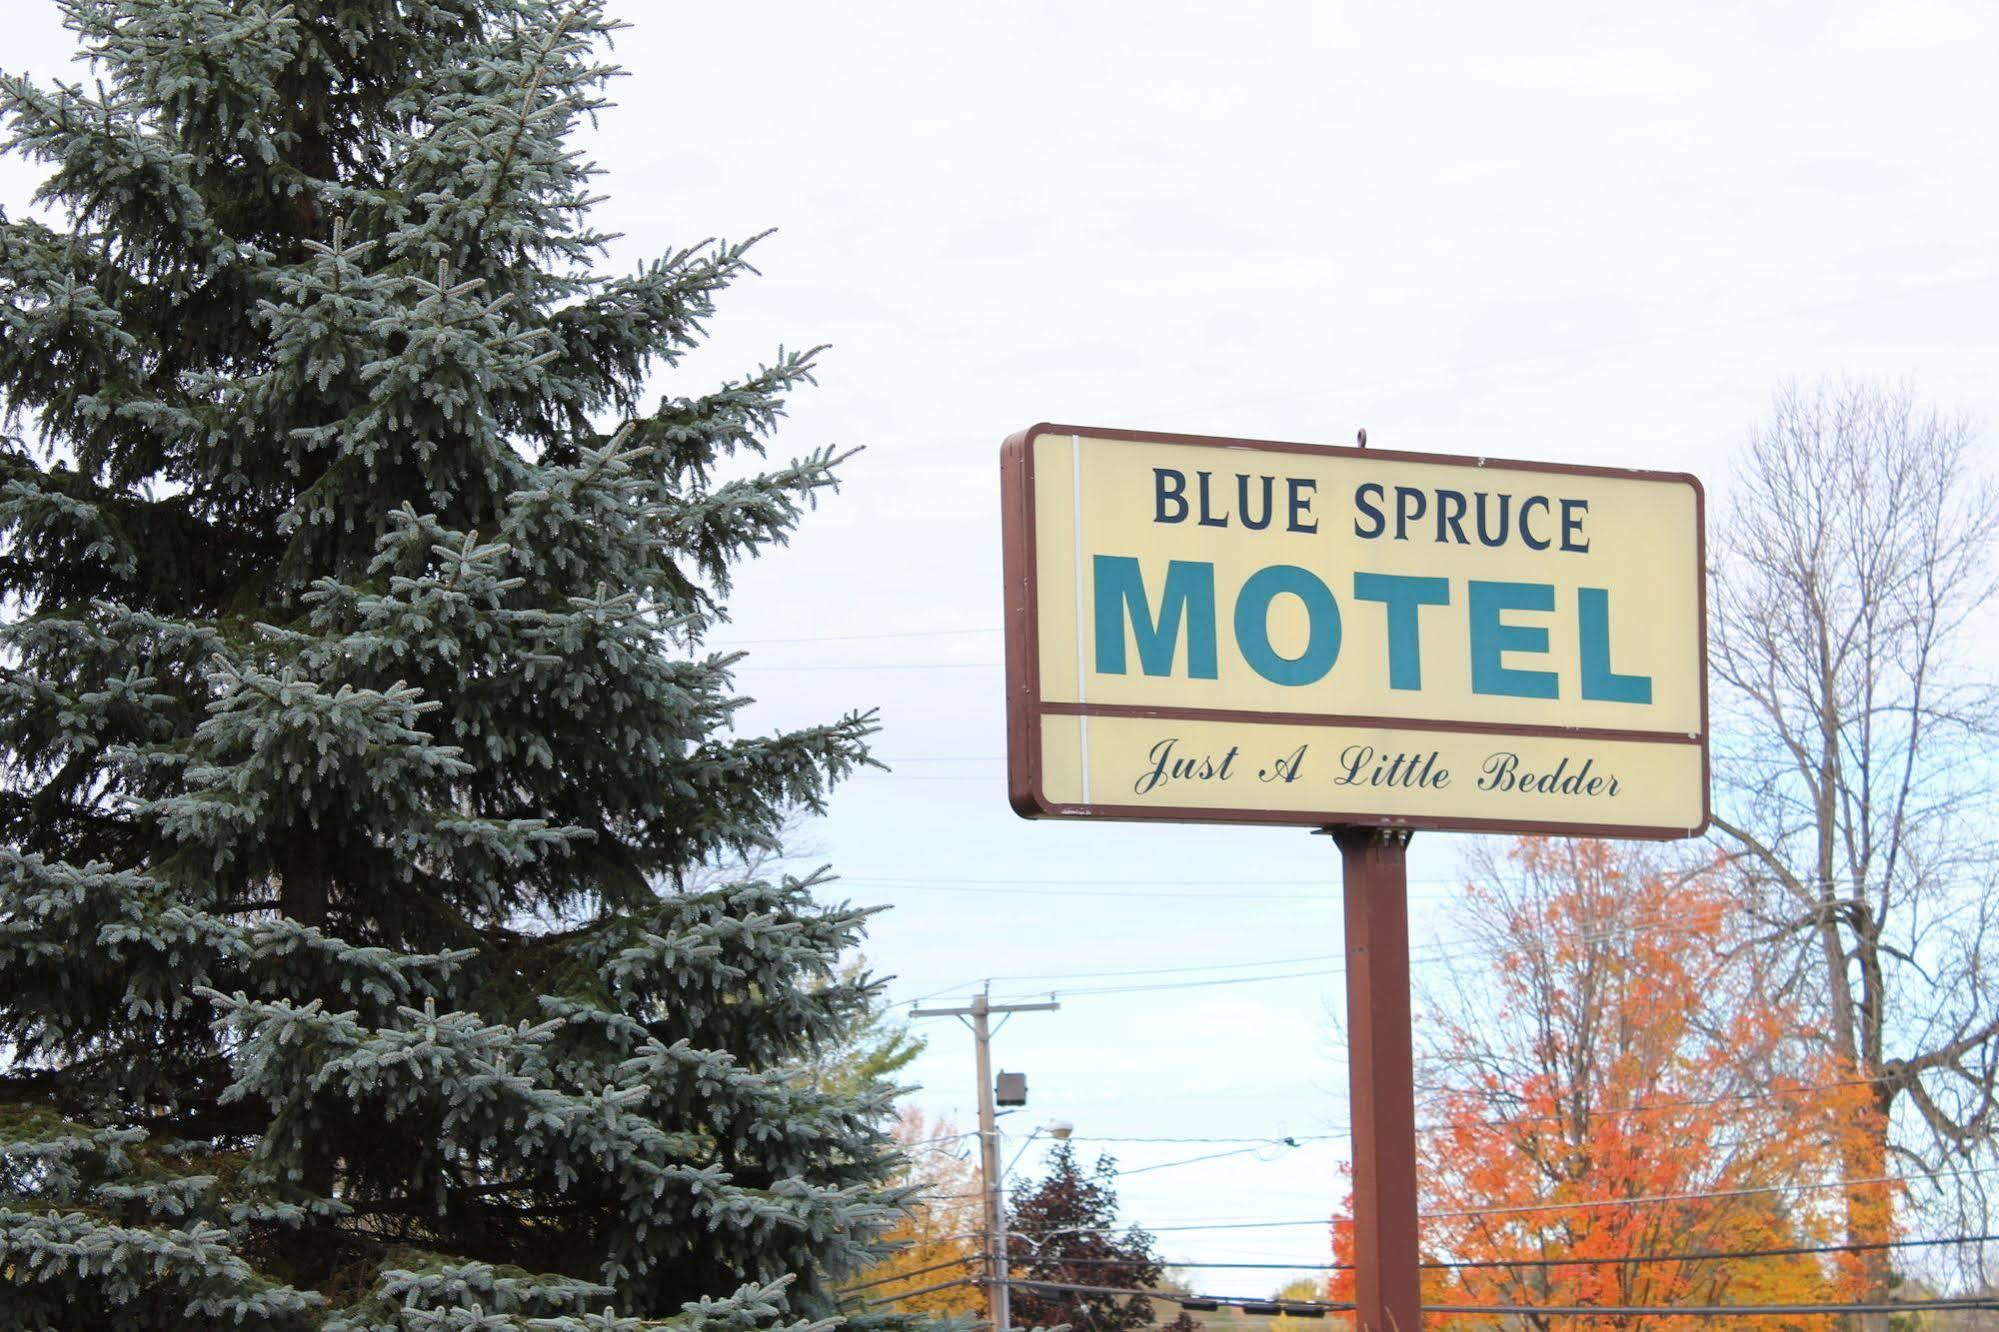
1240	631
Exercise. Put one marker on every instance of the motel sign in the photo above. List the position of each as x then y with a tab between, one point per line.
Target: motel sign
1240	631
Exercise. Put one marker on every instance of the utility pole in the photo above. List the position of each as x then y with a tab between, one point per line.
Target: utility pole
999	1303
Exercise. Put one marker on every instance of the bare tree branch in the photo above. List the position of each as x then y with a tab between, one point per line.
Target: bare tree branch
1853	771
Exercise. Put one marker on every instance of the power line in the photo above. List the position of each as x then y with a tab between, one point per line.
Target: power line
1211	1156
924	1290
1225	887
1314	1308
850	638
1141	886
1442	951
1184	1301
1327	898
1702	1195
959	1261
1662	1107
876	666
1790	1251
1168	971
1799	1250
1282	1140
1707	1102
1260	1145
1326	882
918	777
1148	971
1712	1310
949	758
1191	1263
1316	973
1581	1203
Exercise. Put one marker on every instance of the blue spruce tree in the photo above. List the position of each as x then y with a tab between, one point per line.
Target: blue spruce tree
358	731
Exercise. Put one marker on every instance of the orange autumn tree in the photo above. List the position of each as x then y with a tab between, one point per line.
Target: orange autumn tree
1613	1046
935	1243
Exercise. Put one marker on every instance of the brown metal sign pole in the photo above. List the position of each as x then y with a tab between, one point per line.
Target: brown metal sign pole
1381	1076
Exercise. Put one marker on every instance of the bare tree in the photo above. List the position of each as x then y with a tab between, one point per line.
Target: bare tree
1855	774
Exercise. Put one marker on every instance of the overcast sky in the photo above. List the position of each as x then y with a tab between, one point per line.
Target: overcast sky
1588	233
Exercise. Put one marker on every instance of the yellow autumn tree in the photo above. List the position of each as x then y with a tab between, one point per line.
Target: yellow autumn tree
935	1244
1300	1290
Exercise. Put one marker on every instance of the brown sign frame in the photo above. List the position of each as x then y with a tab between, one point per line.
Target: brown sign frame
1025	707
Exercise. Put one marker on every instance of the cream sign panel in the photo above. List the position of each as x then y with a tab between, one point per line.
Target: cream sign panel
1243	631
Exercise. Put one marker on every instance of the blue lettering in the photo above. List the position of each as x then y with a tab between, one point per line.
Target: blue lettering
1189	594
1599	680
1572	525
1451	516
1208	517
1252	625
1491	639
1497	536
1371	509
1298	490
1242	500
1169	487
1527	535
1409	506
1404	595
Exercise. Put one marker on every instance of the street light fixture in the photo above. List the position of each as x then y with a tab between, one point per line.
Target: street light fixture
1058	1129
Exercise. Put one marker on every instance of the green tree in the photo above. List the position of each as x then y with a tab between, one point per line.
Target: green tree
872	1046
358	733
